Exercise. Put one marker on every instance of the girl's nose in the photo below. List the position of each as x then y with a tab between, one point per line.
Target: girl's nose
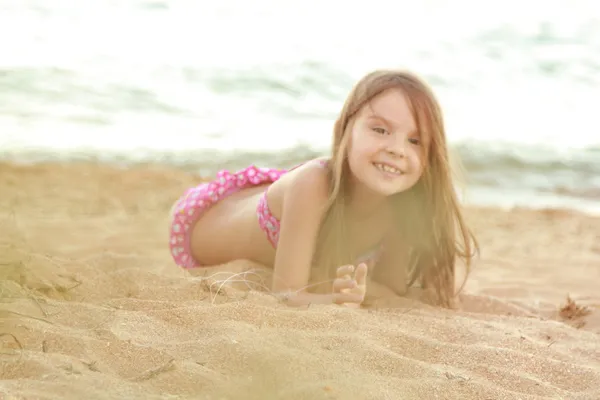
397	146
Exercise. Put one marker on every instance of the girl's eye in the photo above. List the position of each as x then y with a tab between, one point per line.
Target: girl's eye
414	141
381	131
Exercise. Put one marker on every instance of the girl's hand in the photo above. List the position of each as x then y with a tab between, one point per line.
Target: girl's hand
350	285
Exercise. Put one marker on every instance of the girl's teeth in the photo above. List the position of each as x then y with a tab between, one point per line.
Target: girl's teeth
387	168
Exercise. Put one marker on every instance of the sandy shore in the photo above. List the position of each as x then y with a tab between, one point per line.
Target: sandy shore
92	308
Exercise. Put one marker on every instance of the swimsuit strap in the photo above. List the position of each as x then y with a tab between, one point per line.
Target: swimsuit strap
267	222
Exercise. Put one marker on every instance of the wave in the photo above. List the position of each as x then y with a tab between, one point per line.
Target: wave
574	173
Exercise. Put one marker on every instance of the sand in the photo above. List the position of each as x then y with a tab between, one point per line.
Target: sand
92	307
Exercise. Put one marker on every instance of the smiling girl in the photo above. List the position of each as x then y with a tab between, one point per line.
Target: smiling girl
383	205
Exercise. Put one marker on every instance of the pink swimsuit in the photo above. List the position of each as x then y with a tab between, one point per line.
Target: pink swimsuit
196	200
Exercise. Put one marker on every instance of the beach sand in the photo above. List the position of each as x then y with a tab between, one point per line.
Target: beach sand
92	307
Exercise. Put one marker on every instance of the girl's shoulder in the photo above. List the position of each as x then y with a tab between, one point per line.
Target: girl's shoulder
314	171
310	178
321	163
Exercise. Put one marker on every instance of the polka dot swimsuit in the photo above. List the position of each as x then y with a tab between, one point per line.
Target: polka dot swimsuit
198	199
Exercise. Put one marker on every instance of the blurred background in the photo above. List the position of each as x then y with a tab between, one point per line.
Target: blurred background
221	84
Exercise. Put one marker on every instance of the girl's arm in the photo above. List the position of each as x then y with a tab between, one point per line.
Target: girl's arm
303	208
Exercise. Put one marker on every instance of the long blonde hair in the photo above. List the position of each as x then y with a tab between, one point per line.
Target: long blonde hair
429	219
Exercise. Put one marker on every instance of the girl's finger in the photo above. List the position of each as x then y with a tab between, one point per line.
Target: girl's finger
345	270
361	274
341	284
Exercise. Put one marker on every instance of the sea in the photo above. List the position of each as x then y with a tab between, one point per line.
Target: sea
207	85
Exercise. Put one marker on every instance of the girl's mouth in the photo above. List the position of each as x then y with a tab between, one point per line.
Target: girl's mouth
388	168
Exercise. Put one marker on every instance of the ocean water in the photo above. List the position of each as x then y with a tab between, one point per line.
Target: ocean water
213	84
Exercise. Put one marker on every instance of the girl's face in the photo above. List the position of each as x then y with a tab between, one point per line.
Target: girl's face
386	153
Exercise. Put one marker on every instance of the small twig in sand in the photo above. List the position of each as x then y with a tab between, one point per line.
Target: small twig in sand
14	338
36	301
65	289
29	294
30	316
151	373
16	341
220	290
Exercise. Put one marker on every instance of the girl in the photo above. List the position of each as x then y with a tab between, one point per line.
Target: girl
382	205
